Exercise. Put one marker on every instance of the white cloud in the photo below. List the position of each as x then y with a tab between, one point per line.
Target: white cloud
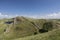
6	16
51	16
47	16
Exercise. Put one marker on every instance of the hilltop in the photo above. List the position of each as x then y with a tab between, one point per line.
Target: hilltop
25	27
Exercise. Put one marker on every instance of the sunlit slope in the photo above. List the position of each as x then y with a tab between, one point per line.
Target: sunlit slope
23	27
51	35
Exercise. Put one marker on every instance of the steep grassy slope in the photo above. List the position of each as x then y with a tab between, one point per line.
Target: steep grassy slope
22	28
51	35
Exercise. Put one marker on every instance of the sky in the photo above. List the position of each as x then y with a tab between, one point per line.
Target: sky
30	8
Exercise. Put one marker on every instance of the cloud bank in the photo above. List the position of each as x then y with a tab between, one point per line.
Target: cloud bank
51	16
47	16
6	16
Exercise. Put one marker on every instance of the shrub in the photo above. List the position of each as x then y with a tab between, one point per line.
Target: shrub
48	26
4	30
43	30
35	33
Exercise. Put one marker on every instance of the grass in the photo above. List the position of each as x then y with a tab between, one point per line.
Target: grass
51	35
24	30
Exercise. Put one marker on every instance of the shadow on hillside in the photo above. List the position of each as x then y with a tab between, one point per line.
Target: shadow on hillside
46	27
42	30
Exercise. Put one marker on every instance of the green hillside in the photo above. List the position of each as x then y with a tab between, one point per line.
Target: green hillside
25	27
51	35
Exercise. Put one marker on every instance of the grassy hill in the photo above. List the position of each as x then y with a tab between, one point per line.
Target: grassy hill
25	27
51	35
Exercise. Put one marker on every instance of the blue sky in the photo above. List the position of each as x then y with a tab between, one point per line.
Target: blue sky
30	8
